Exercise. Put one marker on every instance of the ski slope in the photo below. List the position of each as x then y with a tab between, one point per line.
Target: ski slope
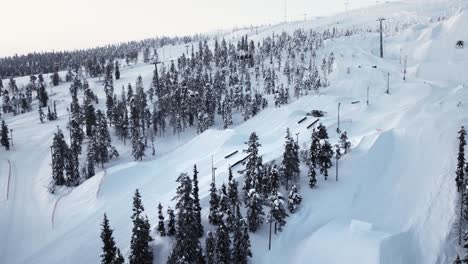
395	201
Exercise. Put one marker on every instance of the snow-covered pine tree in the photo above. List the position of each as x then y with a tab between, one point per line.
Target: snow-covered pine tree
325	156
90	159
278	212
104	150
322	132
312	177
294	199
272	179
223	245
252	166
89	112
4	139
161	228
459	179
214	215
187	248
254	211
224	203
141	251
241	251
138	145
290	160
314	150
171	227
196	203
344	142
60	153
210	248
75	124
233	193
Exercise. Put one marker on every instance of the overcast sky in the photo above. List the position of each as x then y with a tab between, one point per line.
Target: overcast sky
44	25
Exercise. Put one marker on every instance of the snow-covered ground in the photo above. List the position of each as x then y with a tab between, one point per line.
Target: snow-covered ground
395	201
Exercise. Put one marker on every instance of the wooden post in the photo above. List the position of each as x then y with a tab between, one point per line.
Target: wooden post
388	83
367	101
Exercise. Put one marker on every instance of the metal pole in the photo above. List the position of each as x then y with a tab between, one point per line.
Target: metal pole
388	83
336	168
367	101
297	138
11	136
338	128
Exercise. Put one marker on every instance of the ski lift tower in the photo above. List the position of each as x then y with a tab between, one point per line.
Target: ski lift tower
381	36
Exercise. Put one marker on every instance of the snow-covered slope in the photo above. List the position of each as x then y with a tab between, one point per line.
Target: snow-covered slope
394	203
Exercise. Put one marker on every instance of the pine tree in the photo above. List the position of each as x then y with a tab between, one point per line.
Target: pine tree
294	199
140	249
223	245
171	228
138	145
322	132
119	259
60	155
233	193
90	154
161	229
252	167
278	213
196	203
254	211
104	150
89	115
312	177
345	144
324	158
241	244
214	216
210	249
314	150
110	252
187	248
461	159
223	201
4	140
76	132
42	96
290	159
117	71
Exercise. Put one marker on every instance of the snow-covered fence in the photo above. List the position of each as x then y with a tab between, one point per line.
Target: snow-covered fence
313	123
302	120
231	154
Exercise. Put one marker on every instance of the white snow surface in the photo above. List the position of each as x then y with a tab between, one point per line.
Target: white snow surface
395	201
